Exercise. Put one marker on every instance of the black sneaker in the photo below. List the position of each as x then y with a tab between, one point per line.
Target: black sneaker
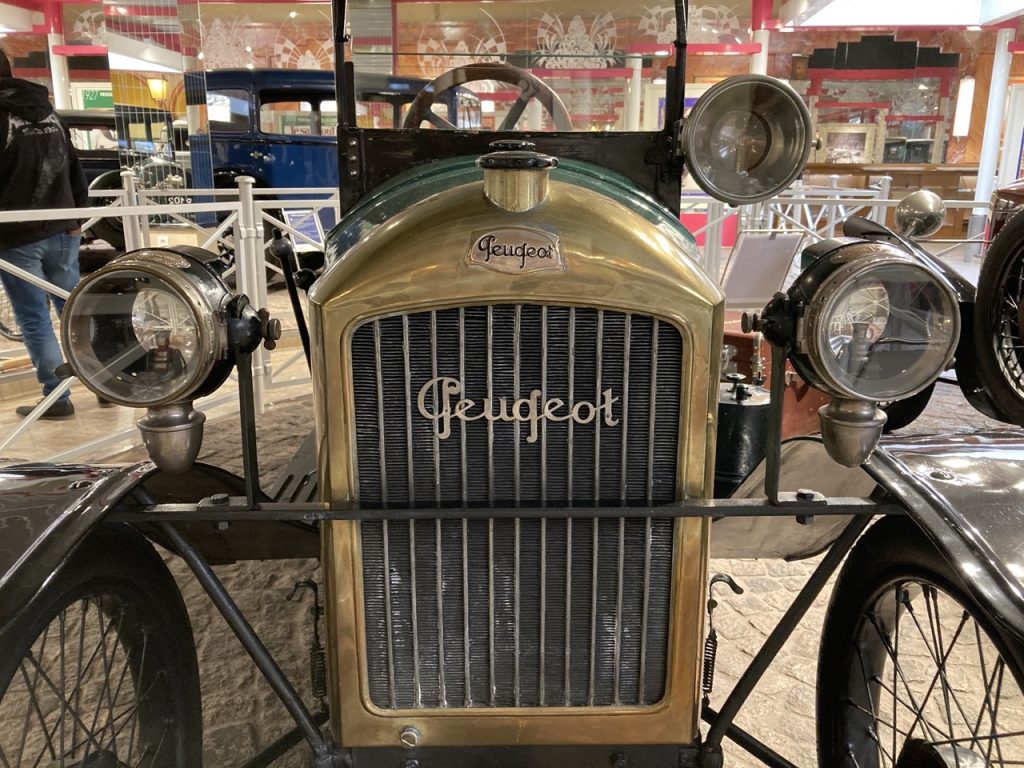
102	402
62	409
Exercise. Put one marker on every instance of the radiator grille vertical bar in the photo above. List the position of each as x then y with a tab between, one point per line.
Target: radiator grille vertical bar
490	609
572	395
462	427
387	614
593	611
411	470
468	697
438	574
436	441
653	408
544	399
618	611
567	699
490	400
645	611
417	688
624	467
380	421
516	690
543	605
439	586
597	400
516	333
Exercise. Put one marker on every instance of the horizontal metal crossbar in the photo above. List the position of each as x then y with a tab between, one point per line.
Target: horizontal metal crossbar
218	509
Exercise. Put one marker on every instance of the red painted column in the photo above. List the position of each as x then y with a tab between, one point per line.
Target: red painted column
760	14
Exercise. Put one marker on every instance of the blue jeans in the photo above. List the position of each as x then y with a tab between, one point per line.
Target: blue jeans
55	260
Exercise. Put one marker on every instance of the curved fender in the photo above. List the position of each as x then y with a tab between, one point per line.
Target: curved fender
47	509
966	492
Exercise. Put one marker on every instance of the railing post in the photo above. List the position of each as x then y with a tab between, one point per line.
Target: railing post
884	190
249	261
833	209
713	239
132	229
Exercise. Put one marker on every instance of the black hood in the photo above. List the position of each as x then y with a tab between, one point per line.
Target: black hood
24	99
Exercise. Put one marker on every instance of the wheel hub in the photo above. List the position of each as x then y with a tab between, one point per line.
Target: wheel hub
921	754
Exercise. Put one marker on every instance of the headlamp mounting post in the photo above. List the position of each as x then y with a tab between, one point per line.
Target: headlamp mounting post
246	331
778	326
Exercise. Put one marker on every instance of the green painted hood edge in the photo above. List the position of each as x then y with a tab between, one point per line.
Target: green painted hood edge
417	184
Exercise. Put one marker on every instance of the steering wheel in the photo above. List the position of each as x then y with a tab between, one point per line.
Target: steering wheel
530	87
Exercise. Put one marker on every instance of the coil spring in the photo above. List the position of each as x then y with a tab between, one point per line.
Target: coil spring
710	654
318	672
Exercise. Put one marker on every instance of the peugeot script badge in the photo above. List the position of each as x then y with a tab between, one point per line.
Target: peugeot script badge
516	250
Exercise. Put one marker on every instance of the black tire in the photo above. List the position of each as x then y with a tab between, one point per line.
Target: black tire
9	327
112	619
998	335
896	598
902	413
109	228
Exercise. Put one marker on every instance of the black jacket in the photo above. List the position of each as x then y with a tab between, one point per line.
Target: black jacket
39	167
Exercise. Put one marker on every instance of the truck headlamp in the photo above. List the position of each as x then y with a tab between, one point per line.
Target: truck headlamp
149	329
866	323
877	326
747	139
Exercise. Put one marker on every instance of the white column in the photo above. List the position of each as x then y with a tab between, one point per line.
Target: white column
993	129
534	115
759	61
59	73
633	93
1012	145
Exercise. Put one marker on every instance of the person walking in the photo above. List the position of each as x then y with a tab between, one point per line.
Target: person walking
39	169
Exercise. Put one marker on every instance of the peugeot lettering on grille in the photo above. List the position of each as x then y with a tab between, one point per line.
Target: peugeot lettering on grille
530	410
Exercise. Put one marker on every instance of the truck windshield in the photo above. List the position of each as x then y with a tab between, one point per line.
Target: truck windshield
575	65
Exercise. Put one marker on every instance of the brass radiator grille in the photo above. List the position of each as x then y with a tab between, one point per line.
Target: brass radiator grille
502	612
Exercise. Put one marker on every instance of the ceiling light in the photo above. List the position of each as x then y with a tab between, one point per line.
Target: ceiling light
885	13
292	14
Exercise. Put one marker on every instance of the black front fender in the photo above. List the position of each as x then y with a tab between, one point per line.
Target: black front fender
45	511
966	492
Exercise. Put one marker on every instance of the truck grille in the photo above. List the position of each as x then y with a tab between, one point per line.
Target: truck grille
517	613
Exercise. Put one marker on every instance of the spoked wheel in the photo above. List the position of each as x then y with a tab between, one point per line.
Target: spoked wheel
100	671
999	321
9	328
912	673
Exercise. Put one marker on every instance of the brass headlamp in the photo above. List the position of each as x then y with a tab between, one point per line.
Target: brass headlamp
157	329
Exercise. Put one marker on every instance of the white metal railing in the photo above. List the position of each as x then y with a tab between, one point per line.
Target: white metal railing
245	214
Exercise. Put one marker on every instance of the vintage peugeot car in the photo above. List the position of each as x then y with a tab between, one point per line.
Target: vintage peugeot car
515	355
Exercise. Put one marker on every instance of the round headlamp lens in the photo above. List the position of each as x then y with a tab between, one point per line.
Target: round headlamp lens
133	338
887	332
